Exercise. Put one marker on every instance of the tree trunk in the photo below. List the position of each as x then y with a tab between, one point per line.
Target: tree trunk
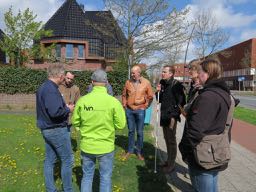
18	58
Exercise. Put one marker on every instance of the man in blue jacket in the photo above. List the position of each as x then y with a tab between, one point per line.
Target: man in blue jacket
52	119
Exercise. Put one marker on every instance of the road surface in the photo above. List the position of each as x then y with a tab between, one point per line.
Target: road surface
247	101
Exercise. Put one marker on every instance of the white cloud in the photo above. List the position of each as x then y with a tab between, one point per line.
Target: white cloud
238	1
226	17
226	2
223	12
90	7
44	9
248	34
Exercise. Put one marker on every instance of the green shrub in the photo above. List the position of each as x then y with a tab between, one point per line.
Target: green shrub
20	80
23	80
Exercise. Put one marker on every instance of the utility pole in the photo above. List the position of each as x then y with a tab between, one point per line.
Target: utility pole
254	81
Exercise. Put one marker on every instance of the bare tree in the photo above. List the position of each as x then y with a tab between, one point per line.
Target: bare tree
168	56
208	37
149	25
246	60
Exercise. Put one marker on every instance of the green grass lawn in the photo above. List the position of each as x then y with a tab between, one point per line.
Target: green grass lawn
22	155
245	114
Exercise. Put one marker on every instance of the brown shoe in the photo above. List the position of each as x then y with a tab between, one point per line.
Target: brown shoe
168	169
140	157
126	156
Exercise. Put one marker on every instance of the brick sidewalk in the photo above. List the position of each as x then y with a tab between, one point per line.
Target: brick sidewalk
240	176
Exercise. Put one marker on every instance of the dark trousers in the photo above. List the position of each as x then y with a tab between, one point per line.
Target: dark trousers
170	141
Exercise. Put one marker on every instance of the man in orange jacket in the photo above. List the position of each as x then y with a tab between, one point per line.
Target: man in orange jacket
136	98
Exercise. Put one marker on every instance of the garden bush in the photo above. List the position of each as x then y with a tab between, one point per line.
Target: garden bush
23	80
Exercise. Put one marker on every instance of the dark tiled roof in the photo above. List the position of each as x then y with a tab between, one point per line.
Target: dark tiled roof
105	23
68	21
71	21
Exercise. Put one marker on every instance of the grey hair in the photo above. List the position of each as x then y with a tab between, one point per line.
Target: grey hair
55	70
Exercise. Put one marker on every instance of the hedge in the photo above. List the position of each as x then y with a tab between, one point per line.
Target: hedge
23	80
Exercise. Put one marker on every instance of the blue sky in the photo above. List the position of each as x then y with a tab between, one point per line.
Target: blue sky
238	17
92	4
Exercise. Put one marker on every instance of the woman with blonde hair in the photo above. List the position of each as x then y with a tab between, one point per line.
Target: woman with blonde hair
194	67
206	116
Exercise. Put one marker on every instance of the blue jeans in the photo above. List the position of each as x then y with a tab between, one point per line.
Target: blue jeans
105	169
204	181
135	120
58	144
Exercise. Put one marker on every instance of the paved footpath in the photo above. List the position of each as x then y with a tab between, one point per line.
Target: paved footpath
240	176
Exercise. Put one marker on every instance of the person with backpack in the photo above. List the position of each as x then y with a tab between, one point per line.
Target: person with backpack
207	116
171	96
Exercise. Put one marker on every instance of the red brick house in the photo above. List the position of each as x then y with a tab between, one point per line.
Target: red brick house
180	73
239	64
84	39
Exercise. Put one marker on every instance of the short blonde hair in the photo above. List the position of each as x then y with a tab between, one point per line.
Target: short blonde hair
55	70
194	65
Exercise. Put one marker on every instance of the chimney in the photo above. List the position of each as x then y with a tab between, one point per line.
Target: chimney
82	7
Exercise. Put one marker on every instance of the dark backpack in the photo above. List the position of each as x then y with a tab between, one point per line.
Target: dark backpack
183	102
214	150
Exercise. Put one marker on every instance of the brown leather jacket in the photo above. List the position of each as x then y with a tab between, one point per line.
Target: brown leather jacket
70	96
137	96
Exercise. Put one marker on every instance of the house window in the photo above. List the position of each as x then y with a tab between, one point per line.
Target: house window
80	51
95	47
58	50
69	50
111	50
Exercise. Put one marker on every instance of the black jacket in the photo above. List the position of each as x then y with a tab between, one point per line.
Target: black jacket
207	116
171	95
51	109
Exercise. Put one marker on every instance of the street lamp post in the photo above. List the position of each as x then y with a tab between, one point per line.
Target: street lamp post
185	60
129	65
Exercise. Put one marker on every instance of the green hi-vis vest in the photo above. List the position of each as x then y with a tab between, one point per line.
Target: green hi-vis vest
97	115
